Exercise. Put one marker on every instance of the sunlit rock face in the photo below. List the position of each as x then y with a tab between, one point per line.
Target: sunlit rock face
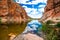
51	4
11	12
52	11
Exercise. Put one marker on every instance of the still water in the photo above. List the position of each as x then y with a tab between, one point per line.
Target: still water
7	30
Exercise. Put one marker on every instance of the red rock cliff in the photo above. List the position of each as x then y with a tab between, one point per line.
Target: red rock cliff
11	12
52	11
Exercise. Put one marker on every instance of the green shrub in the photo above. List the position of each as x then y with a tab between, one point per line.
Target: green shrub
50	33
48	22
44	28
58	24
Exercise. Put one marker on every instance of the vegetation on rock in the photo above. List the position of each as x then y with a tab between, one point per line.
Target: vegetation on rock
51	32
58	24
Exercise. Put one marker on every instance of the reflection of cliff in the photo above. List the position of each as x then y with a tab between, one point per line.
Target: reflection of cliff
11	12
52	11
8	32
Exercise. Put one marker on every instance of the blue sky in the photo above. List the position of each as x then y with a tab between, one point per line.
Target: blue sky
34	8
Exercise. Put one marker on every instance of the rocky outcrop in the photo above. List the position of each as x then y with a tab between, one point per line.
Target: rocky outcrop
28	36
52	11
11	12
51	4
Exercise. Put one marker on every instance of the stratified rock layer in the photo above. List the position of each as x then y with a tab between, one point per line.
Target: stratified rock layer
11	12
52	11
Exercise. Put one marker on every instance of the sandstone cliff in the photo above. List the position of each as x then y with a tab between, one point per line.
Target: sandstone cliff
52	11
11	12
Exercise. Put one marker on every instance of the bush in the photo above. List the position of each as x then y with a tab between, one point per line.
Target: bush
48	22
44	28
50	33
58	24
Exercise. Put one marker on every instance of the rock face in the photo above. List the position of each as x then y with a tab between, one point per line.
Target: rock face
52	11
51	4
28	36
11	12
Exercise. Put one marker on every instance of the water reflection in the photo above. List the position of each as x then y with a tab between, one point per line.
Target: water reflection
33	26
8	32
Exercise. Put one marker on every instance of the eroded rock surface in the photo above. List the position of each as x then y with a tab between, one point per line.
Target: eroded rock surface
28	36
52	11
11	12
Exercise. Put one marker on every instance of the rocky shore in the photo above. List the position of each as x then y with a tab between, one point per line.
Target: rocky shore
28	36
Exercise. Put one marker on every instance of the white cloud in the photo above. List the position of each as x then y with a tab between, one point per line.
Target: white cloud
35	14
21	1
41	9
32	12
42	5
28	9
37	1
33	2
